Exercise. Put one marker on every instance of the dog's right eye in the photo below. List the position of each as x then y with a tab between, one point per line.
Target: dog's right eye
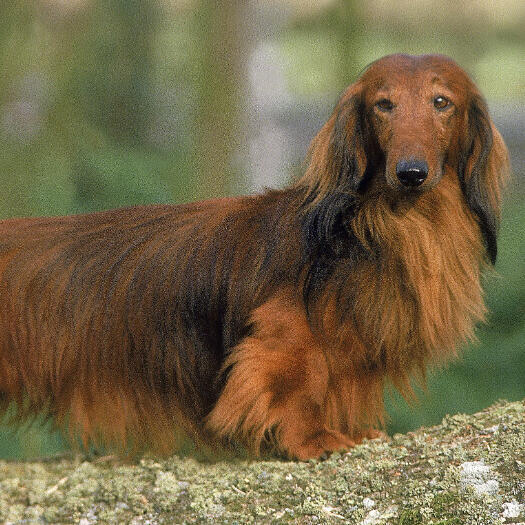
385	105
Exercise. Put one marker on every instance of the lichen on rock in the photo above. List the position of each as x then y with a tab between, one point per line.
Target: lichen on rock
470	470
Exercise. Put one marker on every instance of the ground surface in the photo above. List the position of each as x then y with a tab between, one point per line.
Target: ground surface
468	470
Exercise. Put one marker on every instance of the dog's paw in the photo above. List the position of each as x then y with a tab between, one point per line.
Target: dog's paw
320	445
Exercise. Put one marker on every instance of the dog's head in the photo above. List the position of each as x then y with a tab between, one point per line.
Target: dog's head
404	123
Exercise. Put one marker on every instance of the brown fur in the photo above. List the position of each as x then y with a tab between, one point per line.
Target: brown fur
275	320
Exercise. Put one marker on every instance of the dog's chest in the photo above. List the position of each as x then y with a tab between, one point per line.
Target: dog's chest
418	301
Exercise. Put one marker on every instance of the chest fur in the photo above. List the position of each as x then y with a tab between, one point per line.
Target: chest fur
419	295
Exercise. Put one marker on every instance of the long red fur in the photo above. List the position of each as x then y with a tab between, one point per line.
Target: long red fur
270	321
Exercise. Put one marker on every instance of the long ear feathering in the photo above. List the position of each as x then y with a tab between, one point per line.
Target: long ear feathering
337	164
484	169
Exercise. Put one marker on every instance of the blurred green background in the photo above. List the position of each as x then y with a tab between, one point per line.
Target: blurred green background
105	103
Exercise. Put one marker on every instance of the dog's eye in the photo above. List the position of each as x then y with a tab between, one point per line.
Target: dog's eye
441	102
385	105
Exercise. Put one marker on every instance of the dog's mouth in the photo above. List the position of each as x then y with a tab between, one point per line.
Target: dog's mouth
411	173
400	198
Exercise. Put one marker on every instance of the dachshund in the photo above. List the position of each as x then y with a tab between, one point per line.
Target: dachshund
267	323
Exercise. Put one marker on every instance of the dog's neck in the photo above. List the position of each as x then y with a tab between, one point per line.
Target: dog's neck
419	293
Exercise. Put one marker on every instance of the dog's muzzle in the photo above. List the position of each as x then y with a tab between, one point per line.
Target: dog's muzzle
411	172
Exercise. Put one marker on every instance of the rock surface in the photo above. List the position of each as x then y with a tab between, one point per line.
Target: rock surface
468	470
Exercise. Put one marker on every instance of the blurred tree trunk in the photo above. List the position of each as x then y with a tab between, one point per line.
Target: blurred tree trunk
104	63
220	85
104	60
24	91
119	63
349	29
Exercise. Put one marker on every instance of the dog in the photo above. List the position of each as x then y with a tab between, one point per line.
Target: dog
273	321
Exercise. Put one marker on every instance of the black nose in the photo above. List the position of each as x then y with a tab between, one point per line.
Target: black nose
412	172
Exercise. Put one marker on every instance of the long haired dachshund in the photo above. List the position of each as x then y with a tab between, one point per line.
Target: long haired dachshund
270	321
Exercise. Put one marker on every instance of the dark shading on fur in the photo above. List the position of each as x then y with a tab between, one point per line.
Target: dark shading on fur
475	188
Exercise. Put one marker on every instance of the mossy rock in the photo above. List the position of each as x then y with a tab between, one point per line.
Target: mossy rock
468	470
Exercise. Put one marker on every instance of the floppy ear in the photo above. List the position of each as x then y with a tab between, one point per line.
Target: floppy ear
335	172
484	167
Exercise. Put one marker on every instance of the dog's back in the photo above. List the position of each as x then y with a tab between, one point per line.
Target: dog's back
116	322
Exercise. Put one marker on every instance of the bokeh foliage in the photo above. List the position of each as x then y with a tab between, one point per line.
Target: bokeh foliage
106	103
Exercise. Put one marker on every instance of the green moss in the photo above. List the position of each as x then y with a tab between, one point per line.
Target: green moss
410	517
411	480
444	502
